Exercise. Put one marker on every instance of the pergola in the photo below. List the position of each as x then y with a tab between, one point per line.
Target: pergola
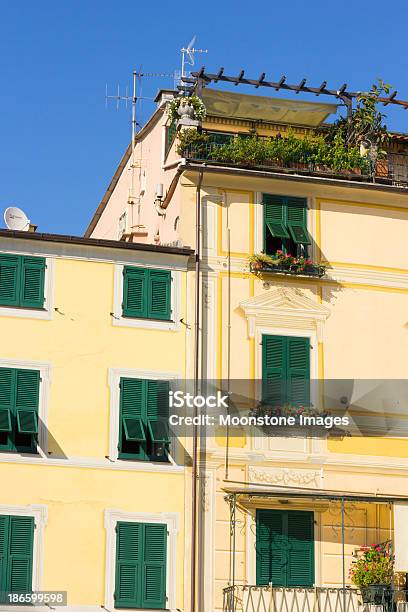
200	79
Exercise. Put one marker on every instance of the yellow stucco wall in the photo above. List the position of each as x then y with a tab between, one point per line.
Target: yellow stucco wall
80	343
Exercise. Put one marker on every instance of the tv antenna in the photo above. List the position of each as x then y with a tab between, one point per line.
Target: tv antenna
133	99
187	55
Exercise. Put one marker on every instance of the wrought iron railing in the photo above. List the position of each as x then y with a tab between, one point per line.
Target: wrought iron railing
253	598
392	170
307	270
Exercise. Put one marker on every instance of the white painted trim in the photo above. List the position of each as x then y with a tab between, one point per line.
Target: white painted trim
114	376
93	464
45	379
121	321
40	514
171	519
44	314
261	443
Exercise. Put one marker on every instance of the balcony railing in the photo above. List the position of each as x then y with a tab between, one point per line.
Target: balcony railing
307	270
390	171
251	598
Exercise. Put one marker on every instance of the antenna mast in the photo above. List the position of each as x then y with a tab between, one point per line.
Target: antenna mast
187	56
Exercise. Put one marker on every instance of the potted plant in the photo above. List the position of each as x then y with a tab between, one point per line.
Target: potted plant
191	106
372	572
259	261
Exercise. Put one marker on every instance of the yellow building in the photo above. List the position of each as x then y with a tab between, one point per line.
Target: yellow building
92	483
281	517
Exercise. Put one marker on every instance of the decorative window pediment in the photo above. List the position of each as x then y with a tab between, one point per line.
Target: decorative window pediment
284	307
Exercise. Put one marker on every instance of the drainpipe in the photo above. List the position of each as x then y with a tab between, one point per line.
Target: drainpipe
196	382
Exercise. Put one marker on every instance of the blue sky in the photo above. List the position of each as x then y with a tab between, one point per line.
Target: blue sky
60	145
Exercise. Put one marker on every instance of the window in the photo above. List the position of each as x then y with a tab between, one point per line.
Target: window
143	426
19	399
22	281
285	548
146	293
16	553
170	135
286	370
285	224
141	555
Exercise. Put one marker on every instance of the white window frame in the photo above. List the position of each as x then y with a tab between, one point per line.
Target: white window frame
114	376
121	321
40	515
45	313
45	380
171	519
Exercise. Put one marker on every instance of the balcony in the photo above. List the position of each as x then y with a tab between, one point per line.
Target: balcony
391	171
253	598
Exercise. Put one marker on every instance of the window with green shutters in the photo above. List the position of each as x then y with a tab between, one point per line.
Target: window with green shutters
285	548
19	401
285	370
285	224
22	281
143	416
16	553
141	558
146	293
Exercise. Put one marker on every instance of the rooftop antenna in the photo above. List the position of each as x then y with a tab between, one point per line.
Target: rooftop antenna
187	56
133	99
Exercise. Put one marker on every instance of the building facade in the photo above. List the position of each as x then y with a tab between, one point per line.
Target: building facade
285	511
93	484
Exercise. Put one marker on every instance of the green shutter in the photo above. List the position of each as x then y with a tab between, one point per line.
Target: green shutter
6	399
274	370
4	529
159	303
286	370
158	410
135	292
270	547
285	548
26	401
32	282
20	554
297	220
298	371
129	557
10	267
154	566
274	215
132	402
300	555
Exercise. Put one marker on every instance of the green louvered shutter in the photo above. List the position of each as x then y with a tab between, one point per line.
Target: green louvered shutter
270	547
274	215
4	530
158	410
10	272
298	371
132	402
297	220
135	292
274	370
129	560
154	566
159	304
26	401
300	549
6	399
32	282
20	554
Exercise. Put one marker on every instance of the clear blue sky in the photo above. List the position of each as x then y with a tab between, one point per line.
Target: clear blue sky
60	145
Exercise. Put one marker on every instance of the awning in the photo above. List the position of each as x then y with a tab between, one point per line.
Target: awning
254	490
263	108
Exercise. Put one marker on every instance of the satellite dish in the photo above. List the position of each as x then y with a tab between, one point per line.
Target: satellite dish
16	219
